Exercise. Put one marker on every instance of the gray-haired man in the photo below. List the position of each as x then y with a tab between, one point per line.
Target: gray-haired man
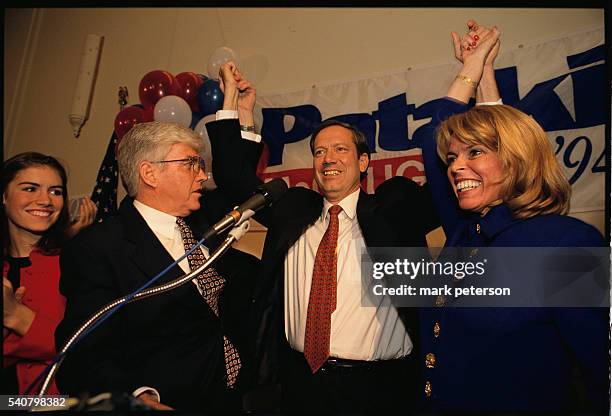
180	349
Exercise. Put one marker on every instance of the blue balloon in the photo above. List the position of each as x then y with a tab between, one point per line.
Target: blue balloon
195	119
210	97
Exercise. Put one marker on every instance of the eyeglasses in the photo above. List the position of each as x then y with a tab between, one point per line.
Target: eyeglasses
196	163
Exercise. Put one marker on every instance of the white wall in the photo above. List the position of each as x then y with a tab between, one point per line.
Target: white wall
281	49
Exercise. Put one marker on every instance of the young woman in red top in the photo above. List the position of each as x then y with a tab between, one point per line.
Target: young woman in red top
35	223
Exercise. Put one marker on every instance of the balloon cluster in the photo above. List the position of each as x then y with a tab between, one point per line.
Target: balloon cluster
188	99
185	98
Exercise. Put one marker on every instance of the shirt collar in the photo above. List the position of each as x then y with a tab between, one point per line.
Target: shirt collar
160	222
348	204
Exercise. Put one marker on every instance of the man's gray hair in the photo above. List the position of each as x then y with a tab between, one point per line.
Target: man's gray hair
150	142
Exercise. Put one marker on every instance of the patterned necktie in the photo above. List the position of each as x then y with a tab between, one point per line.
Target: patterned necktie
211	284
322	301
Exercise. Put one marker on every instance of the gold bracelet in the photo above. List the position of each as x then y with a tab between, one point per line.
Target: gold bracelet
469	81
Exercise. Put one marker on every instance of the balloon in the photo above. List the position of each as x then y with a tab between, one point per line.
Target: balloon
219	57
195	118
200	128
210	97
155	85
172	109
148	114
127	118
189	84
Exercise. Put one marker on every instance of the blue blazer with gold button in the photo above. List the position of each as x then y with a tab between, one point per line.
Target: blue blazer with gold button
510	359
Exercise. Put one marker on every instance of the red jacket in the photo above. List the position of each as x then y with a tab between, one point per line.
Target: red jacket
33	351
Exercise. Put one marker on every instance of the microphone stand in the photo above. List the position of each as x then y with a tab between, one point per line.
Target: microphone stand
234	235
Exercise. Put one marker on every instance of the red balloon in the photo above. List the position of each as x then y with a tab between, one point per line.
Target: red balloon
127	118
155	85
149	114
189	84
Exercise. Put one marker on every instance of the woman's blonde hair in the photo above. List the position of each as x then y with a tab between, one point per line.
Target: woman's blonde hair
533	181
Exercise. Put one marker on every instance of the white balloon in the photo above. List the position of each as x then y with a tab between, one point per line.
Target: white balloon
219	57
172	109
200	128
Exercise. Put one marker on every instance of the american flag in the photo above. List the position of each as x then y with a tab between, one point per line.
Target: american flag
104	194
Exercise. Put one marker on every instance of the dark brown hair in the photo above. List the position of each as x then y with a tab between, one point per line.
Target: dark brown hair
53	238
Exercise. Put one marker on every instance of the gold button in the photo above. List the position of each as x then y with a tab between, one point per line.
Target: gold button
440	300
427	388
436	329
430	360
473	252
478	228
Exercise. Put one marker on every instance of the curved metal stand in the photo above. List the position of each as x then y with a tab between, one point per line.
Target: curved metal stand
157	290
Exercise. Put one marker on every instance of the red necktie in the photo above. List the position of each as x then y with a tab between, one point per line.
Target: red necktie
211	284
322	300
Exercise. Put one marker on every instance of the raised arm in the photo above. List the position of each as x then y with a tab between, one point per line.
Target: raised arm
476	51
235	151
487	90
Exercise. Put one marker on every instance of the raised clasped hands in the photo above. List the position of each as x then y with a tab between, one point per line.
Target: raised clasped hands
229	76
479	43
239	93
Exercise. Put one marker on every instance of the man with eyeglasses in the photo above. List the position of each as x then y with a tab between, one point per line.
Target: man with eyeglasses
183	349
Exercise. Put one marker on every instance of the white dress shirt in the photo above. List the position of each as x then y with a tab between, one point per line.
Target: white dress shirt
166	230
357	332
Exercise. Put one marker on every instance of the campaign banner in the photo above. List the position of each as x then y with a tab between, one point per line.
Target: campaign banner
561	83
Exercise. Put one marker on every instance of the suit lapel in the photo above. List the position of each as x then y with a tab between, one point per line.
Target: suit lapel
150	256
292	216
148	253
378	231
304	213
375	226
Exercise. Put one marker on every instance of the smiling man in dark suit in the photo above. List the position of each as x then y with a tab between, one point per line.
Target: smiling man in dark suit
177	350
313	336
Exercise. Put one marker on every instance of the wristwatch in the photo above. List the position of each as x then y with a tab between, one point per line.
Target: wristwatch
248	128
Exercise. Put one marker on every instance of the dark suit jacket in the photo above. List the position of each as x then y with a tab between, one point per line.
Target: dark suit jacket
400	213
172	342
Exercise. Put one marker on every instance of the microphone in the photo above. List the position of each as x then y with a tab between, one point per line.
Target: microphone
264	195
